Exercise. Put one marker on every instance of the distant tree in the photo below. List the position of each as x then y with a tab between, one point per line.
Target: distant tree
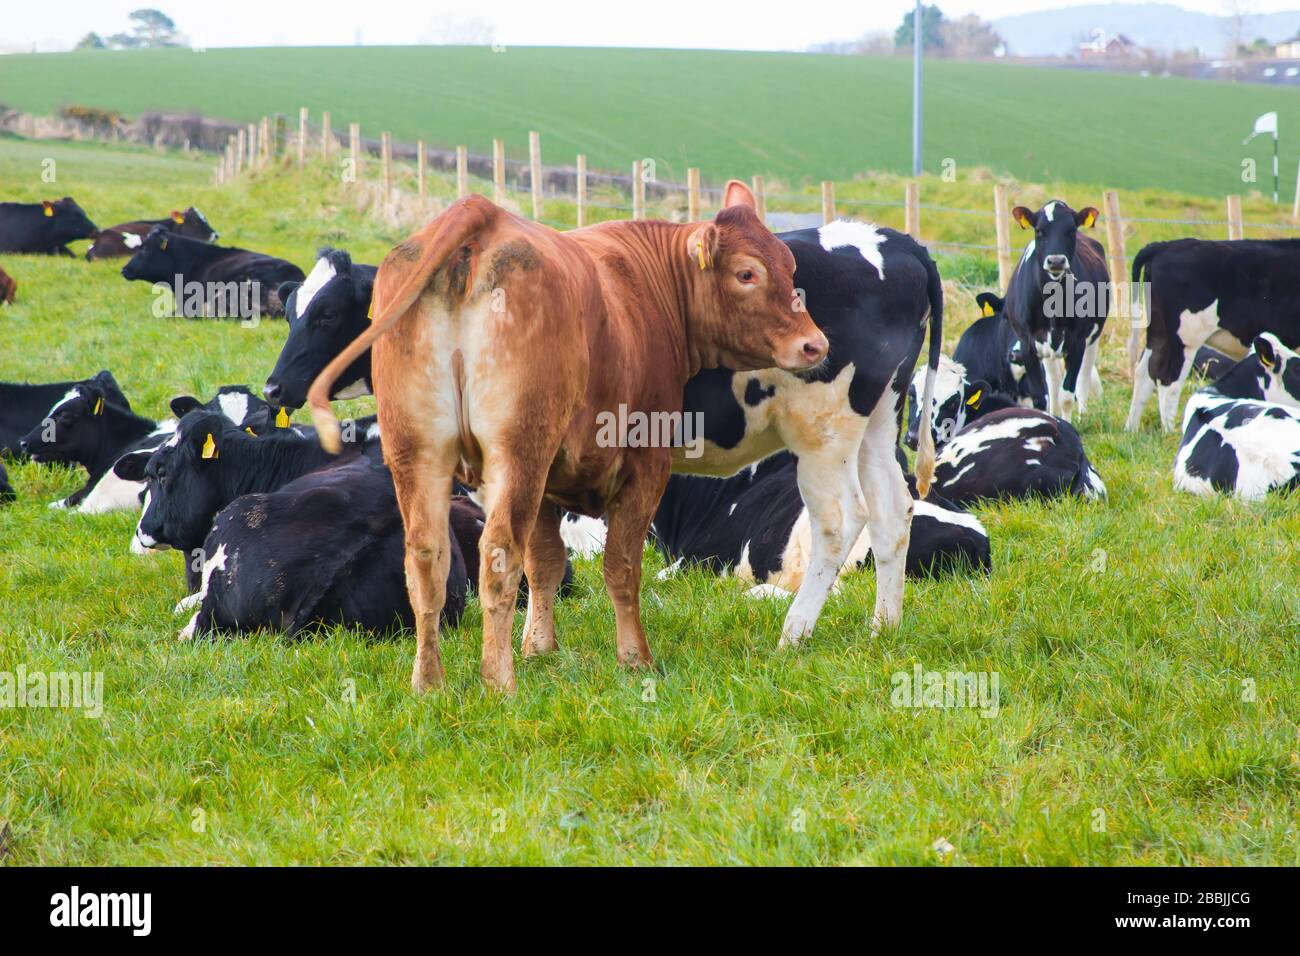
91	41
931	38
153	28
968	37
123	41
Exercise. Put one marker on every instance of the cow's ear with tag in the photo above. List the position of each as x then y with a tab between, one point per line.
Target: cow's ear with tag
1265	352
365	288
1086	217
209	451
1027	218
975	392
178	217
703	245
989	303
47	207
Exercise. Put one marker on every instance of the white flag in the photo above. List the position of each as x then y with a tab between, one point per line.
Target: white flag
1265	124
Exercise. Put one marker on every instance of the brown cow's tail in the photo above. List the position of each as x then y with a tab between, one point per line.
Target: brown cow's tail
925	440
401	278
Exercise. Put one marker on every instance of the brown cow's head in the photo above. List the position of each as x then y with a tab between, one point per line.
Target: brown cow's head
749	315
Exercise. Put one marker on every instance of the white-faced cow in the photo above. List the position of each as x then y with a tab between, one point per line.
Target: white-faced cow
232	281
1241	435
44	228
1058	299
992	353
126	237
1199	292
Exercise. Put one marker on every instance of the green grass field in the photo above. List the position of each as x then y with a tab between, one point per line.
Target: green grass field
795	116
1146	652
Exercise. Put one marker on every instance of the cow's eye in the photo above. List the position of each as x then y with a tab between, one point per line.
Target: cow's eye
745	275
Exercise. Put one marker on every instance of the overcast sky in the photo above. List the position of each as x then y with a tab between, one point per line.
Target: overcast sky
666	23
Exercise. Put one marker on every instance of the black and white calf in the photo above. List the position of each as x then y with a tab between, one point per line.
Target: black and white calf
326	548
1205	292
231	280
870	290
325	313
991	352
958	399
1015	453
1241	435
91	427
1058	299
755	526
43	227
24	406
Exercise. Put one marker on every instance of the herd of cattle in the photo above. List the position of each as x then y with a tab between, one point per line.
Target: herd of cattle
495	347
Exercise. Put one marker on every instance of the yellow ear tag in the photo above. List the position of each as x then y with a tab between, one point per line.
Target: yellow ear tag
370	310
974	400
1090	218
164	242
254	434
1267	363
704	256
99	402
209	448
179	219
282	417
988	309
49	210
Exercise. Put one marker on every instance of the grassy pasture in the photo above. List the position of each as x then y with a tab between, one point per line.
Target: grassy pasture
1126	637
794	116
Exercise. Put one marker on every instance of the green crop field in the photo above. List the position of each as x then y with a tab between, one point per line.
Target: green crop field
794	116
1145	649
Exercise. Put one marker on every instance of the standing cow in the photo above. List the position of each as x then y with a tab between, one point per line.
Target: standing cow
126	237
44	228
1058	299
1202	291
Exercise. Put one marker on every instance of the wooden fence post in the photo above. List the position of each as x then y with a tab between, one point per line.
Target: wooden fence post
386	159
279	137
693	194
535	171
420	161
912	204
302	135
638	191
252	145
265	135
326	137
354	145
462	172
582	189
240	150
1002	228
498	171
1235	227
1118	260
760	196
828	201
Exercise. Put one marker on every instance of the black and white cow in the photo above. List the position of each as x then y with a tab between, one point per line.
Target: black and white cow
1015	453
230	279
325	312
958	399
1241	435
88	426
1206	292
991	352
1058	299
24	406
7	493
126	237
755	526
326	548
44	228
1210	363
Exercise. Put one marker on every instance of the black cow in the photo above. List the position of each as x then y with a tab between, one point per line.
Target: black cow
991	352
1057	300
211	279
6	490
1199	292
126	237
24	406
45	227
1015	453
91	427
754	525
325	313
327	548
1241	435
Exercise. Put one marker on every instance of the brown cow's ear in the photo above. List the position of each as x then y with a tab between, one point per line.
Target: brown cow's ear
1085	217
703	245
1025	217
738	194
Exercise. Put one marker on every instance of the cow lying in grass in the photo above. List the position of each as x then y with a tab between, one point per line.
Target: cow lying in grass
126	237
1241	435
23	406
44	228
91	427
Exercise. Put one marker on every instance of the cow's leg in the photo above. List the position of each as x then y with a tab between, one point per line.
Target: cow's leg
1053	372
889	512
1071	388
837	511
1143	386
1089	379
544	560
628	519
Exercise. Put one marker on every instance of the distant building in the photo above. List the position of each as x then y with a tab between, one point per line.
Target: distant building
1108	46
1288	49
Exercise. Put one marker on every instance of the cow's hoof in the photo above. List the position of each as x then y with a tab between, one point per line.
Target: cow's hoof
427	676
537	646
635	660
501	683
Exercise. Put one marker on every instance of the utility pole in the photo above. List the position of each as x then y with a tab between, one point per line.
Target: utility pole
916	90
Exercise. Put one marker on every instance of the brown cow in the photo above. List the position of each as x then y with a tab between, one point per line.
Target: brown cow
7	288
511	347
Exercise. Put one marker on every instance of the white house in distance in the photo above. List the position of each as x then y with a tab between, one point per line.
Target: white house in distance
1108	46
1288	49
